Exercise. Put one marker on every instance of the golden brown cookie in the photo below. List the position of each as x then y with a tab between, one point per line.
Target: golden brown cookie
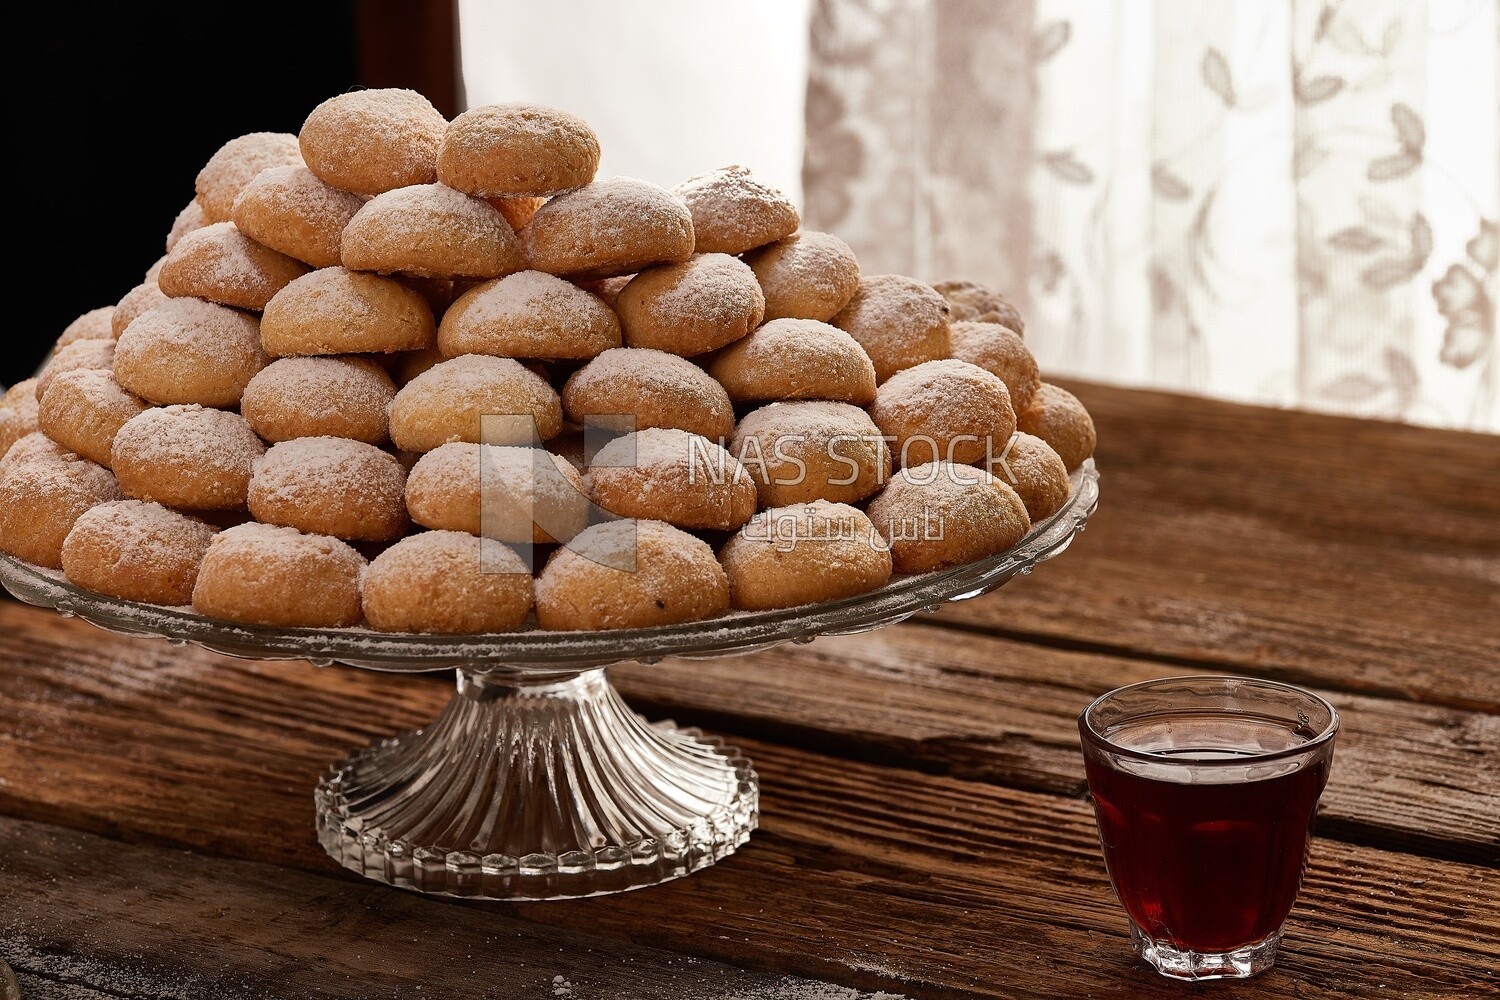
187	456
342	397
673	476
32	447
807	275
804	554
734	211
1058	418
948	411
517	149
630	574
1001	351
433	231
450	401
235	164
331	486
447	583
943	514
190	351
221	264
608	228
648	389
77	356
18	414
289	210
798	452
83	411
336	311
796	359
41	498
516	495
137	552
140	299
262	574
1036	472
899	321
528	315
96	324
190	218
693	307
369	141
973	302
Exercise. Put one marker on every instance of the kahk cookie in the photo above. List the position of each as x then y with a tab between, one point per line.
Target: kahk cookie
691	308
734	211
942	514
608	228
330	486
431	231
337	311
899	321
528	315
342	397
369	141
261	574
517	149
804	554
450	401
293	212
235	165
221	264
948	411
187	456
447	583
798	452
673	476
796	359
190	351
632	388
136	551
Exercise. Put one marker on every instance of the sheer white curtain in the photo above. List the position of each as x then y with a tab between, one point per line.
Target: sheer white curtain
1290	202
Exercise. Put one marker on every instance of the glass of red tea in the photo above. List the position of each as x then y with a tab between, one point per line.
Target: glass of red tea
1205	789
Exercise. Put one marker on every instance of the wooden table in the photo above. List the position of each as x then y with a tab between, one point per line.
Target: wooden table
925	831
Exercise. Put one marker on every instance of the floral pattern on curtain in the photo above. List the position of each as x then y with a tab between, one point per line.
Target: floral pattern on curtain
1291	202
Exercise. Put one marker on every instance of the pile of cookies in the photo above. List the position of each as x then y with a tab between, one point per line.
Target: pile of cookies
391	364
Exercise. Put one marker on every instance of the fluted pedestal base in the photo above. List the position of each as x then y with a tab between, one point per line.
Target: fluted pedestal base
536	787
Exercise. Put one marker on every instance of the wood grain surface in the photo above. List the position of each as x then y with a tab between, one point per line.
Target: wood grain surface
925	831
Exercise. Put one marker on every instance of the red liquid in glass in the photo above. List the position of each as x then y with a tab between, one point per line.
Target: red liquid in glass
1207	866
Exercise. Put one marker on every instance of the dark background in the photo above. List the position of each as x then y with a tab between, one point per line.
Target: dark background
134	98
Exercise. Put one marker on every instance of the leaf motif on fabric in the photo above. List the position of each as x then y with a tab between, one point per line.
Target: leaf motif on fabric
1216	76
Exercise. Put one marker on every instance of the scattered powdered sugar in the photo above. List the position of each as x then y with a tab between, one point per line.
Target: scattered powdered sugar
608	228
219	260
78	355
140	299
806	265
189	437
325	468
530	314
399	128
710	290
291	396
814	421
889	305
943	398
236	163
796	359
623	377
142	537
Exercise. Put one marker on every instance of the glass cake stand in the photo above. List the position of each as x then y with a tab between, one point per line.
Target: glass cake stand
538	781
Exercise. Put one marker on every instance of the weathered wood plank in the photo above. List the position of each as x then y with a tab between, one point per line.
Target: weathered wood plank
1348	554
86	916
1407	776
866	876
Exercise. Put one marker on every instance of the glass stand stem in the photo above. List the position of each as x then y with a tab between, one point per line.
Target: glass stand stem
536	786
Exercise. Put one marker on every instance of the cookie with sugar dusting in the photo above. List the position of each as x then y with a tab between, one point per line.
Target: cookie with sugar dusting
529	315
673	476
293	212
1000	350
513	494
691	308
18	414
802	451
369	141
1036	472
649	389
948	411
190	457
244	578
942	514
630	574
449	402
42	497
448	583
1058	418
608	228
337	311
190	351
235	165
431	231
517	149
330	486
190	218
807	275
734	211
221	264
899	321
83	411
976	303
342	397
804	554
137	551
796	359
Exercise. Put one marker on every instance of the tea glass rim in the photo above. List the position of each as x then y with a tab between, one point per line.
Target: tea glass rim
1093	735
